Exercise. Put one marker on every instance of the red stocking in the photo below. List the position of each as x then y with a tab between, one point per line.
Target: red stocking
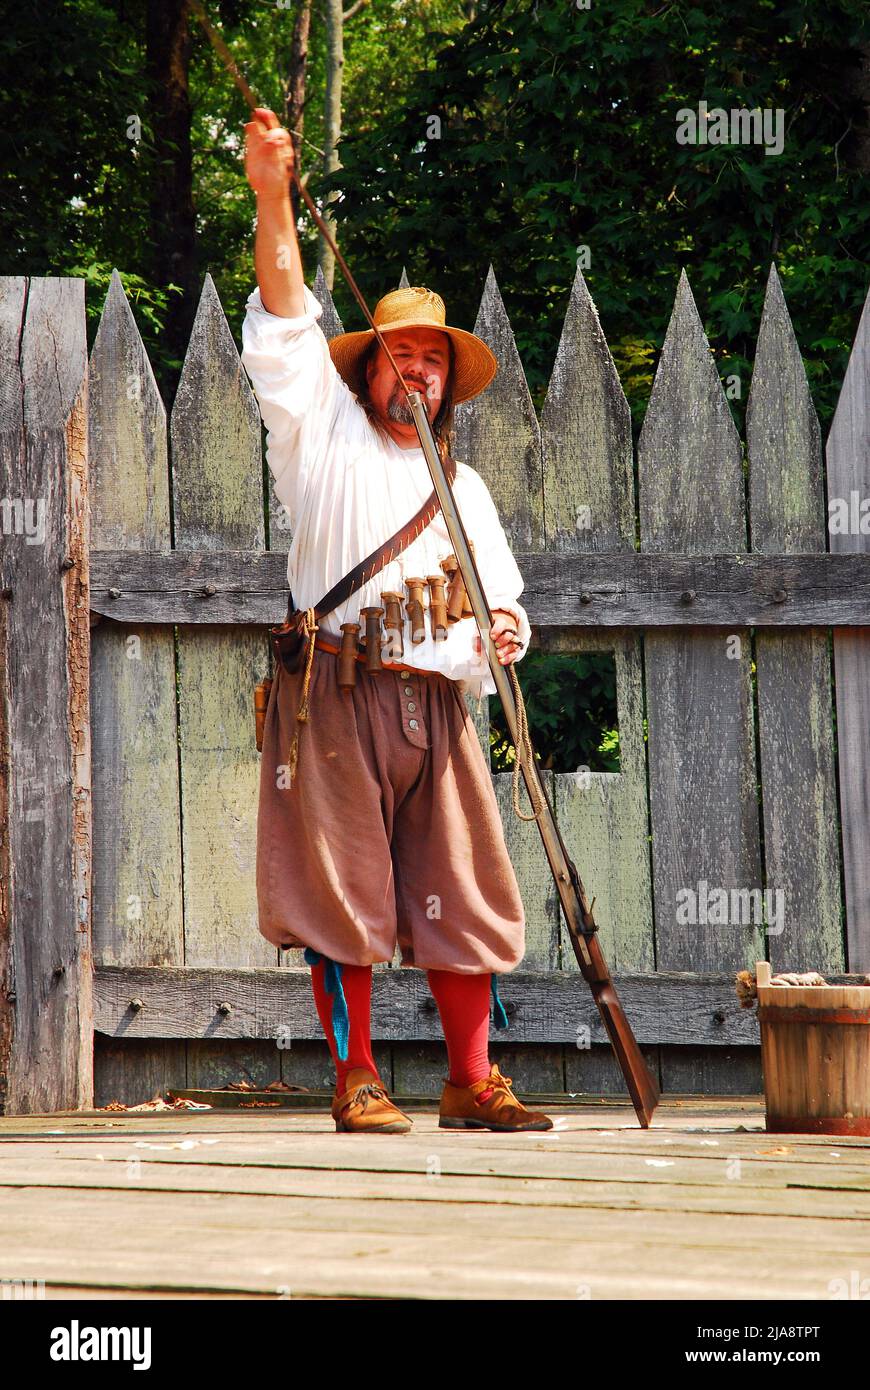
356	982
463	1003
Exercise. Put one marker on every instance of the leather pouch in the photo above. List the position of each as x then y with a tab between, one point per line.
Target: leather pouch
289	642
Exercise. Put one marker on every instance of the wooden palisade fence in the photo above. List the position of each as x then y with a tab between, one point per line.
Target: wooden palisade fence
133	631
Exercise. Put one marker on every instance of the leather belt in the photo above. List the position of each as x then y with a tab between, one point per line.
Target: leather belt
327	646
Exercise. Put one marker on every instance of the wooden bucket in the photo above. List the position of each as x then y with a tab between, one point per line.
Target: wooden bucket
815	1053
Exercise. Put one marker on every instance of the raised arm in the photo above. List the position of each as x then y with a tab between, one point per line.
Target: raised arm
284	351
269	159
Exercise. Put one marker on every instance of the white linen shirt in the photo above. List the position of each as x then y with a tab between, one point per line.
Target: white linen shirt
345	490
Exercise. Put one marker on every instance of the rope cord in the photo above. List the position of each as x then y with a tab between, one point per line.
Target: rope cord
525	751
303	714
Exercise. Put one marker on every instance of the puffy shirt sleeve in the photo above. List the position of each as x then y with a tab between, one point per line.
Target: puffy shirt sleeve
298	390
498	570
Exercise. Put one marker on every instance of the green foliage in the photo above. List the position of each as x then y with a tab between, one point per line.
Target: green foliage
148	301
71	73
570	700
558	131
74	179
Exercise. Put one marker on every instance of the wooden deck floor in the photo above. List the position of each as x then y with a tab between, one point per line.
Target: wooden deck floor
704	1205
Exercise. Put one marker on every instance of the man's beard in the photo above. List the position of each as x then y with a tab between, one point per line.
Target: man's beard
398	408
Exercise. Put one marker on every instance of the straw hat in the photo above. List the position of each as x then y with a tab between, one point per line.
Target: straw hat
416	307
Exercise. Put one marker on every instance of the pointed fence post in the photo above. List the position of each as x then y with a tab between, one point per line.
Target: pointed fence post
796	738
699	704
589	507
849	479
218	505
46	998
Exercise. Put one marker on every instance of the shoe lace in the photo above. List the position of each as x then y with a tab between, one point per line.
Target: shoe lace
496	1082
368	1090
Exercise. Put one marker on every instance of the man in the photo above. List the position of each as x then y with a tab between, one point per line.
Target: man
387	827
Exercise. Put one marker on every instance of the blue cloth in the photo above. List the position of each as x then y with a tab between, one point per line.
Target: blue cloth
340	1019
499	1017
332	984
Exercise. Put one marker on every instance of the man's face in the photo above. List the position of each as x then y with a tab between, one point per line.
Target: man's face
423	357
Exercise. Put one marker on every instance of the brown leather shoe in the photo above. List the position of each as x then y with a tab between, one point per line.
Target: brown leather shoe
488	1104
365	1107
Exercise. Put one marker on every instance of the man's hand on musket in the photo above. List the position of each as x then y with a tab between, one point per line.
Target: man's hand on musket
269	154
505	636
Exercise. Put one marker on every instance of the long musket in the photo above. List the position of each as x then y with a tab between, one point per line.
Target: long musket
642	1087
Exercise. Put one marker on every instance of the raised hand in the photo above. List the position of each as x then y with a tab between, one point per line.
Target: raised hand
269	154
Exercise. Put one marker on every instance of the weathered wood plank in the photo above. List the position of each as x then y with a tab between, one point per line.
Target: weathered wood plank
498	435
589	507
535	879
799	799
13	297
604	826
216	478
45	696
135	1070
421	1068
407	1249
704	815
138	911
796	745
292	1153
702	1191
701	747
623	590
7	990
249	1059
220	781
848	460
603	818
586	440
595	1070
670	1007
708	1071
330	322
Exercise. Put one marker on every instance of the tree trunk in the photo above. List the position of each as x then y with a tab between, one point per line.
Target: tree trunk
293	83
171	214
856	148
332	122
